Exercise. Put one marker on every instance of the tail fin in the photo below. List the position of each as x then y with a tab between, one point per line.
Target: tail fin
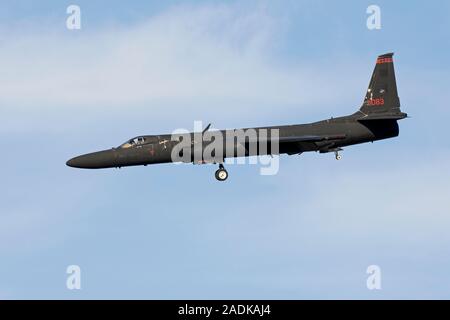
381	101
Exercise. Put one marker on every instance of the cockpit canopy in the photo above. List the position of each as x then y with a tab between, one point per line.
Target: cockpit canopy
133	142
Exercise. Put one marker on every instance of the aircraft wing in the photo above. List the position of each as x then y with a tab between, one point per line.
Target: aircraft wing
311	138
302	138
292	139
295	140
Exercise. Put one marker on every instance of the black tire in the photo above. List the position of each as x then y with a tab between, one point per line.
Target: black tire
221	175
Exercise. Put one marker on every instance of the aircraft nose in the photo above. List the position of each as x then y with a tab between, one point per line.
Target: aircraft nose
72	162
95	160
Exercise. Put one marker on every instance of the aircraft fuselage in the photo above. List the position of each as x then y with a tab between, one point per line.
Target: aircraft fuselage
159	148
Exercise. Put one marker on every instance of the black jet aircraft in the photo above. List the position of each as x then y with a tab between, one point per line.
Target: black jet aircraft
375	120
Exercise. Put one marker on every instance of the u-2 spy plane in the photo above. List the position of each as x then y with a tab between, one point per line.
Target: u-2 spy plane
375	120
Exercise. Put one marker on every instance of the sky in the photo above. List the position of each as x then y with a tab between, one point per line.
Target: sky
174	232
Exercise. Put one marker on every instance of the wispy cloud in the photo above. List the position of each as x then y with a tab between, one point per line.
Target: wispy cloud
309	231
194	54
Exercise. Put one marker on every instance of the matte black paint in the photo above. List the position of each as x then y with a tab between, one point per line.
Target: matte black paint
374	121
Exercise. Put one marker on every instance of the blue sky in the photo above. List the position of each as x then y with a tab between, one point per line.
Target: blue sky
173	232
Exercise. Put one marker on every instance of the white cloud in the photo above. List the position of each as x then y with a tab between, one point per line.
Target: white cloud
393	203
186	54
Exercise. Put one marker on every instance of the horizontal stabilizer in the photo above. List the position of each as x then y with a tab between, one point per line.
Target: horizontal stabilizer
393	116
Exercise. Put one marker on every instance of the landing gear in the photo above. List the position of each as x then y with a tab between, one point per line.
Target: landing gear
221	173
337	155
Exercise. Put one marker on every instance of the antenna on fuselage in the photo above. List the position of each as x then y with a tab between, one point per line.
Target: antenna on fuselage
207	128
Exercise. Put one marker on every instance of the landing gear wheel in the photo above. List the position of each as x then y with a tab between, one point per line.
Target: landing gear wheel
221	173
338	156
